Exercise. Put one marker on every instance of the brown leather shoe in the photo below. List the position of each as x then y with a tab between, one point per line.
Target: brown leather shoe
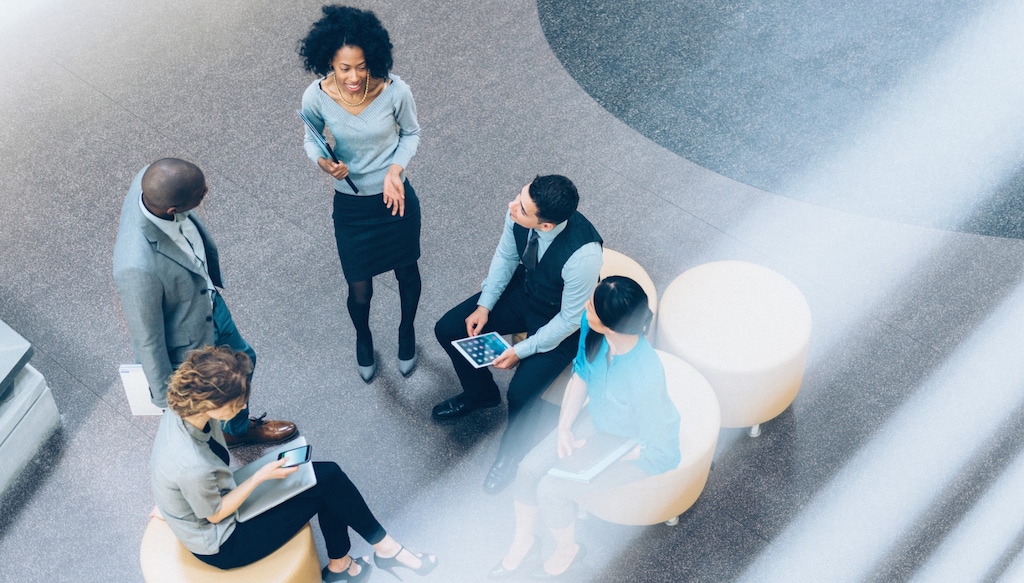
263	431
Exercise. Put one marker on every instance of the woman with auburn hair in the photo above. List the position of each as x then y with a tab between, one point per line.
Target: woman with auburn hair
622	375
372	116
196	493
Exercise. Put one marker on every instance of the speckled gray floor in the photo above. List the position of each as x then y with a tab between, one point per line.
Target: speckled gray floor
901	459
898	97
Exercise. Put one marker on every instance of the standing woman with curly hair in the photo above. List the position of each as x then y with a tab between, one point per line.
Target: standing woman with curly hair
196	493
372	116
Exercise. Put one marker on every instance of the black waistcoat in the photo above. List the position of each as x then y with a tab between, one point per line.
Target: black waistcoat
544	283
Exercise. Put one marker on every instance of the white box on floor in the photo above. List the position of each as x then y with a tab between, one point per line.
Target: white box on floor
28	416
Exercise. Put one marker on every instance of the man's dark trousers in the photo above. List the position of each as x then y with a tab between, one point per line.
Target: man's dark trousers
512	314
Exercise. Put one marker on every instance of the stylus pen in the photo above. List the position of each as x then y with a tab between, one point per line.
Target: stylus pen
323	143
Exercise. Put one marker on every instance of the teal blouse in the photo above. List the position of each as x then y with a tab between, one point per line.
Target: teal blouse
628	397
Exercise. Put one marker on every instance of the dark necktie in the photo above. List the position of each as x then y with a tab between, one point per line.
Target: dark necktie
530	254
219	450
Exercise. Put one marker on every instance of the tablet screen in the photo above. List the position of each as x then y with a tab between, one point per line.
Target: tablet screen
481	350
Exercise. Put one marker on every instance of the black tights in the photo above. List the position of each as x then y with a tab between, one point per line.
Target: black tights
359	295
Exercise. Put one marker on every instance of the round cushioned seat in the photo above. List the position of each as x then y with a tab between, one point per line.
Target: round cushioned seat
662	498
746	328
615	263
164	559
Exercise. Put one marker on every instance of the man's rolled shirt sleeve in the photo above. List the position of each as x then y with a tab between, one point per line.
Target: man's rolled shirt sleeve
503	266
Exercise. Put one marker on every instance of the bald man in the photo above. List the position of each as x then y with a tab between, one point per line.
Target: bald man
167	273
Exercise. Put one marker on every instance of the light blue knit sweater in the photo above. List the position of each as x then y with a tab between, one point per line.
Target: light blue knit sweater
385	133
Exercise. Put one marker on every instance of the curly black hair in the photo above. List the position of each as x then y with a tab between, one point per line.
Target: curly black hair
346	26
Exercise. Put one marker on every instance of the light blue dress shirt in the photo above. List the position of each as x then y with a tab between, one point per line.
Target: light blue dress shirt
189	482
579	275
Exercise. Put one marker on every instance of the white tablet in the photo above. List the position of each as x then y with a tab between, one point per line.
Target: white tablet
273	492
481	350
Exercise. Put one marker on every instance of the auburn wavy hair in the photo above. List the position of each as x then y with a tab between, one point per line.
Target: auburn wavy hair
209	378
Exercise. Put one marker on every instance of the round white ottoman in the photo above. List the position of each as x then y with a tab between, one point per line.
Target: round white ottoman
662	498
615	263
746	329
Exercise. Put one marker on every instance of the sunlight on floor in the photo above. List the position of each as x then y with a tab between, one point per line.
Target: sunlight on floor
945	140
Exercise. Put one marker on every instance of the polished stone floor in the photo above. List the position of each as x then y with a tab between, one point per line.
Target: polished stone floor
868	151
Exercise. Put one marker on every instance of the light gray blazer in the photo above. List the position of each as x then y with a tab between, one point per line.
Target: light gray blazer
163	293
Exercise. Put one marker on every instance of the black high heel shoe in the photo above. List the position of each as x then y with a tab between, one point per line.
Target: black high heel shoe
389	564
328	576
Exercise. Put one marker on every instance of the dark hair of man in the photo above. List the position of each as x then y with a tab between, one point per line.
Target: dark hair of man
170	182
621	304
555	196
210	378
346	26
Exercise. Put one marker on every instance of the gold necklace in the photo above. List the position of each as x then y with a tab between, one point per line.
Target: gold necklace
366	91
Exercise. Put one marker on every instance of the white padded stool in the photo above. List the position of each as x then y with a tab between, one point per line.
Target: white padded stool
664	497
164	559
746	328
615	263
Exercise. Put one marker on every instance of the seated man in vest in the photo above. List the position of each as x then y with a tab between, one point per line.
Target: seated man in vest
543	272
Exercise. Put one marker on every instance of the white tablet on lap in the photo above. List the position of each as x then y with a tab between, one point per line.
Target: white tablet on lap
273	492
481	350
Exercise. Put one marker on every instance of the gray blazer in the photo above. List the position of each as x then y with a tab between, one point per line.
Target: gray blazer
163	293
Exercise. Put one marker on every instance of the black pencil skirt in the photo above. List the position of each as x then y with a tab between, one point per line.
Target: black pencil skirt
372	241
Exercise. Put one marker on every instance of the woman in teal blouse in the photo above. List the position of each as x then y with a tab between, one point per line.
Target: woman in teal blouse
624	379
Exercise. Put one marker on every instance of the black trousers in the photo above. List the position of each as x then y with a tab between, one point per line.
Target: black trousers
334	500
511	314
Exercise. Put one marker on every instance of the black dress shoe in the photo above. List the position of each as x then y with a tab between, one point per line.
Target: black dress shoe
460	406
501	474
